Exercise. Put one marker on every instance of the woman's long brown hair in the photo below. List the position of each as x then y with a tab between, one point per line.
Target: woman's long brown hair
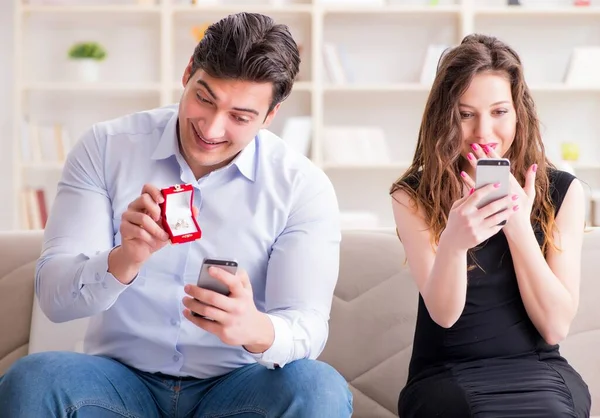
436	166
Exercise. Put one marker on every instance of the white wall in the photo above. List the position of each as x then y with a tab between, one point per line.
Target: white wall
6	102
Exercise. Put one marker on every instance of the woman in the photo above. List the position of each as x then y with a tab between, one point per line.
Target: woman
494	300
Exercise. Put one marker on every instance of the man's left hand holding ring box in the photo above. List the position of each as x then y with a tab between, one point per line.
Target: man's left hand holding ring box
178	214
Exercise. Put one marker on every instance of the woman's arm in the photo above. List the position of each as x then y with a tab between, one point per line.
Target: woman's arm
440	272
550	286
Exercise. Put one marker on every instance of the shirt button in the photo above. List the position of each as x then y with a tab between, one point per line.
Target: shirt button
176	358
174	321
98	277
104	285
74	294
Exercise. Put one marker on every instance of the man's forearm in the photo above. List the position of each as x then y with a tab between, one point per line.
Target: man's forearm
264	335
120	267
298	334
75	286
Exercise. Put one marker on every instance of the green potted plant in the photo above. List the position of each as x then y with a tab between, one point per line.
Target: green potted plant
87	56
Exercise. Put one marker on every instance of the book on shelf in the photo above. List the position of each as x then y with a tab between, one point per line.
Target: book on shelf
584	67
44	143
430	64
34	208
355	145
334	60
297	133
355	2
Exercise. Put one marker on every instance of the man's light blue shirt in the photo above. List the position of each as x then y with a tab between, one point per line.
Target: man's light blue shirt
271	209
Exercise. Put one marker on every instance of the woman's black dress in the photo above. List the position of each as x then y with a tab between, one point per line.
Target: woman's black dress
492	362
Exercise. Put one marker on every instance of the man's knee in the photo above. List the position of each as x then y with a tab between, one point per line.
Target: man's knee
42	370
33	368
320	388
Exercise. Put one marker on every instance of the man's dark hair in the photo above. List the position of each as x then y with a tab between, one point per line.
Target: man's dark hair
250	47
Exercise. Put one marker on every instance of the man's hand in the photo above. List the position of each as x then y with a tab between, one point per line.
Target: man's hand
236	321
141	235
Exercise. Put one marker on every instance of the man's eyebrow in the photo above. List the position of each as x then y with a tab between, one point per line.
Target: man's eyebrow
212	93
242	109
493	104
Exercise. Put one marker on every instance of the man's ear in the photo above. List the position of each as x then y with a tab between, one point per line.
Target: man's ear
270	116
187	73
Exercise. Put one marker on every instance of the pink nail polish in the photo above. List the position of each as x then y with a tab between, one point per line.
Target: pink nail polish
474	147
516	208
471	192
463	174
534	168
515	197
470	156
496	185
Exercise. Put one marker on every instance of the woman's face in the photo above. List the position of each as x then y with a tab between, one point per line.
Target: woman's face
488	114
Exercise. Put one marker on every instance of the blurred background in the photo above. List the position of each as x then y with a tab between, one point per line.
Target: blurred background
356	107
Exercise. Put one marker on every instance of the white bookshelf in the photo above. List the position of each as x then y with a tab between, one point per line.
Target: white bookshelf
383	48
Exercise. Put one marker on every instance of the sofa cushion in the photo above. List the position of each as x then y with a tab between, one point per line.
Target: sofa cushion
372	321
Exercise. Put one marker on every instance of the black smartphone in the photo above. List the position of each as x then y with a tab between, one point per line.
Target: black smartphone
206	281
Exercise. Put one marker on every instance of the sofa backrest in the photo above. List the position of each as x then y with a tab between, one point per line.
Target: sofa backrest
18	254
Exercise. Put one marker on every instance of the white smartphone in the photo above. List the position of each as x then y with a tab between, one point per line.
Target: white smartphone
489	171
206	281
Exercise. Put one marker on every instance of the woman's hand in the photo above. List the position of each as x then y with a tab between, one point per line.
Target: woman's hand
469	226
526	194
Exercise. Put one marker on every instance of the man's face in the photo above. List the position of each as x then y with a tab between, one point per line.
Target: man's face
219	117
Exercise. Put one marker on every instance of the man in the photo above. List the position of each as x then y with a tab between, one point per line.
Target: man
106	255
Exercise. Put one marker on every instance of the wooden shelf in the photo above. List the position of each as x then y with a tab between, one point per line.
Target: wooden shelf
233	8
366	167
392	9
75	9
563	88
100	87
533	11
383	87
45	166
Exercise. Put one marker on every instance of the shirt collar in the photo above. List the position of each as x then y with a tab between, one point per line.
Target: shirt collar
246	161
168	146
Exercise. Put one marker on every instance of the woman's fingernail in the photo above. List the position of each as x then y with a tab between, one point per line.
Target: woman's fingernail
516	207
496	185
534	168
474	147
471	192
470	156
463	174
515	197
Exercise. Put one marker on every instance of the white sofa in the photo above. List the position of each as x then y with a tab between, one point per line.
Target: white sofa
372	319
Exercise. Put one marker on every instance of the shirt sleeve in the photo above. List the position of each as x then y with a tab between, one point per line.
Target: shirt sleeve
302	275
72	279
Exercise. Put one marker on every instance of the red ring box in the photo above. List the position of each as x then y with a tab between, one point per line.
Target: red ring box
177	215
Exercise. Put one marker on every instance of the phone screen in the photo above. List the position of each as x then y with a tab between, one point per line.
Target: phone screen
490	171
